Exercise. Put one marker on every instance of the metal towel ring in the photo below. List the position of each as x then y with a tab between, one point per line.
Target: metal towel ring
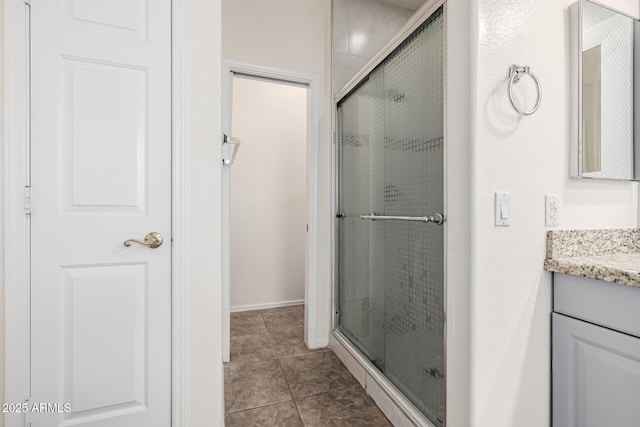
515	74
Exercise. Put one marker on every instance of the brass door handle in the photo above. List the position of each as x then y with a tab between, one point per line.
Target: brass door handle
152	240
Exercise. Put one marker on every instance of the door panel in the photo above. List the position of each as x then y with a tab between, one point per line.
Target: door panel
94	337
101	174
414	251
103	139
122	18
361	282
596	375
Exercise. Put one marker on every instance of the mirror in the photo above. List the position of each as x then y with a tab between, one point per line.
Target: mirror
603	55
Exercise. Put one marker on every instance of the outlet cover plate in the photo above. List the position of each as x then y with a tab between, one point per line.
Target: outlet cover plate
551	210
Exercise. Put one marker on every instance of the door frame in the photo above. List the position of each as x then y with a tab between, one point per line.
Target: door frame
312	82
17	224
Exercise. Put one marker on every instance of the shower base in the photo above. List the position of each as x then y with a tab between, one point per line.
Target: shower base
395	406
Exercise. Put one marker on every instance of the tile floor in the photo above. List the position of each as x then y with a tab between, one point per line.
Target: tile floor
273	379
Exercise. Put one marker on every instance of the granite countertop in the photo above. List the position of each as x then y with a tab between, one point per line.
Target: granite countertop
612	255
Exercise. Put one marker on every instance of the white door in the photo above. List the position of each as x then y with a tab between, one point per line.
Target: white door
101	174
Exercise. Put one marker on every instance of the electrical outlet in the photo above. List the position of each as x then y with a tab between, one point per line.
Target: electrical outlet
551	208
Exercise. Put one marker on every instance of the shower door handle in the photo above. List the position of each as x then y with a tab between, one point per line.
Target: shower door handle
230	146
437	218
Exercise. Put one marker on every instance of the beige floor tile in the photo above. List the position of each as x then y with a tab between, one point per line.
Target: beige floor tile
296	350
255	347
279	415
316	373
349	407
284	316
247	322
252	384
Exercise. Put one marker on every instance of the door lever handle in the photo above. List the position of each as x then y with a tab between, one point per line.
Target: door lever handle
152	240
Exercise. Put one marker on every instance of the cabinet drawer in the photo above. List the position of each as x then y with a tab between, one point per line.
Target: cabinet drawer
596	375
608	304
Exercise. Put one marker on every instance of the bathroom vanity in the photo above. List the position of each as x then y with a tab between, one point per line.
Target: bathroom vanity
596	273
595	327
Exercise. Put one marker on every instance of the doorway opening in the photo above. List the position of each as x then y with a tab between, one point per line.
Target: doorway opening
269	194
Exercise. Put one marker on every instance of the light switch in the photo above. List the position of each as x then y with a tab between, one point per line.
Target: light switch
502	211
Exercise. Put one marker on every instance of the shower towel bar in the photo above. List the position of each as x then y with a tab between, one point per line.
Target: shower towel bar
436	218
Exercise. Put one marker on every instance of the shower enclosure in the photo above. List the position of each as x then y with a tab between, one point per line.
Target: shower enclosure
390	233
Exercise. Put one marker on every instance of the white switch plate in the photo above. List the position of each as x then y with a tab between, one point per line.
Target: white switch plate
551	210
502	210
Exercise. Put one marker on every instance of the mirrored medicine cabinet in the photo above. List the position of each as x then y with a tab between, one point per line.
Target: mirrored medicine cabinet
605	93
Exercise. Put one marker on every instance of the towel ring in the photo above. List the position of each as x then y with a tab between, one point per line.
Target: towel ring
515	74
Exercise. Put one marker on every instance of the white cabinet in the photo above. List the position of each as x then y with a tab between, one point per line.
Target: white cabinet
596	353
596	375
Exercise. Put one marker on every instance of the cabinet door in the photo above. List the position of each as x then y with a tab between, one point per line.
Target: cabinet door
596	375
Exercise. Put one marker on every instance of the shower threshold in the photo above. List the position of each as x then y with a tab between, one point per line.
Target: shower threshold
395	406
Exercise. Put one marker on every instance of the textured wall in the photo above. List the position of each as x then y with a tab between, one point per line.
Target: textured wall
510	294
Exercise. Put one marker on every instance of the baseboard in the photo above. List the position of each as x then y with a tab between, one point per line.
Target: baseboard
266	305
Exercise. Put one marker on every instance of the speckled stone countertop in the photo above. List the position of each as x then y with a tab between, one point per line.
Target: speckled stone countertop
612	255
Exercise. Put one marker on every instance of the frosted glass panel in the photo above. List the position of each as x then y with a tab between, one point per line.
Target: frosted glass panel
391	273
362	174
414	297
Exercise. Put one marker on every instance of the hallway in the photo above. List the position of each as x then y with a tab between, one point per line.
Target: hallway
273	379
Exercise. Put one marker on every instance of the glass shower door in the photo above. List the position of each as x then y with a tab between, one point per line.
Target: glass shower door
361	284
390	271
414	251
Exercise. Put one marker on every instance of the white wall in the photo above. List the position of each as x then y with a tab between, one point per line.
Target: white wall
510	294
458	128
204	402
268	193
1	216
294	35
